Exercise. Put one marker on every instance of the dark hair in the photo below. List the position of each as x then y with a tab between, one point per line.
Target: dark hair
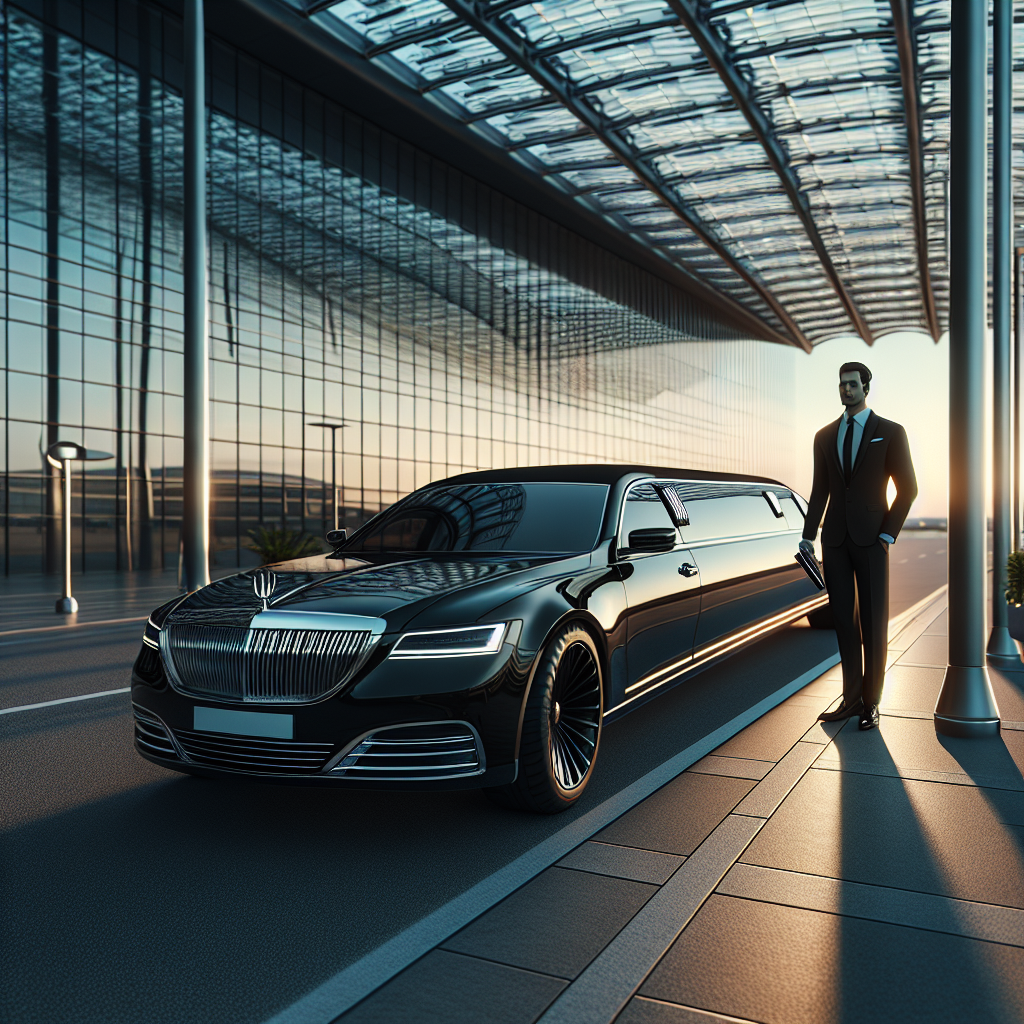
865	373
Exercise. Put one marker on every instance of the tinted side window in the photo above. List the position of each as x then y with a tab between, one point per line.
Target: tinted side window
644	511
729	517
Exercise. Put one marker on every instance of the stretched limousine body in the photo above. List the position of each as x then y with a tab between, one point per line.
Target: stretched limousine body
479	632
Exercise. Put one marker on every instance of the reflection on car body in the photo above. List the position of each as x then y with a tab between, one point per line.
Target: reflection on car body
480	632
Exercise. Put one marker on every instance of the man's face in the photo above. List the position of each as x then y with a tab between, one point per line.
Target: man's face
851	391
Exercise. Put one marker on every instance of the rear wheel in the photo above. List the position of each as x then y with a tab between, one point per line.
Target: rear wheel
561	727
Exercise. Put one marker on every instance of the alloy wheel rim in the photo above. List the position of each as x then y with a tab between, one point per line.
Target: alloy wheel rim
574	726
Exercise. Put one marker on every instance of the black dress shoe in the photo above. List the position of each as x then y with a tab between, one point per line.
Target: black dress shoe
843	711
868	717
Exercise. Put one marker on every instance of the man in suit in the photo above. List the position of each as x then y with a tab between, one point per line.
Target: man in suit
853	461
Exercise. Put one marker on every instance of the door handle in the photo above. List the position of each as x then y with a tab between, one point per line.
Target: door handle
688	569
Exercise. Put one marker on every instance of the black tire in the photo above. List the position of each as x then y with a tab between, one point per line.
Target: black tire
821	618
561	727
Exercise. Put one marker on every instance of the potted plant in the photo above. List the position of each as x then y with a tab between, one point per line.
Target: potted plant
1015	599
277	544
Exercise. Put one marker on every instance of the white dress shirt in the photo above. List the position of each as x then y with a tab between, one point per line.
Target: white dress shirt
858	432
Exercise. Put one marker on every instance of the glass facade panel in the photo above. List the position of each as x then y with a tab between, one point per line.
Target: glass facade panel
353	280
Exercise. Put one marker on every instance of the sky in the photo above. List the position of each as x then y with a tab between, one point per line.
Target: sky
910	384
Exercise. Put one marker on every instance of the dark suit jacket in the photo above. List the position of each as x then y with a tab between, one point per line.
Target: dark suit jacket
860	510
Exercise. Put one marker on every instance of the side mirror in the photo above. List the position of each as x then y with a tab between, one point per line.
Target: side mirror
335	537
657	539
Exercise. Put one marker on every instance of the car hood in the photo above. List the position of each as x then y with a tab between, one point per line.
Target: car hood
397	589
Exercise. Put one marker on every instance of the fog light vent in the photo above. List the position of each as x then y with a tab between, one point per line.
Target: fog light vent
414	753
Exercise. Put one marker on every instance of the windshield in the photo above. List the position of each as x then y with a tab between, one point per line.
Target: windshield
490	517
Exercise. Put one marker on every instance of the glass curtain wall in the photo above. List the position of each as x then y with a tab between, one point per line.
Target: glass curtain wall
353	280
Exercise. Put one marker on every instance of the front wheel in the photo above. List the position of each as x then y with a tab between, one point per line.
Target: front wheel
561	727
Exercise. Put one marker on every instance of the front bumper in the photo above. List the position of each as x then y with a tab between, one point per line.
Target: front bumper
390	728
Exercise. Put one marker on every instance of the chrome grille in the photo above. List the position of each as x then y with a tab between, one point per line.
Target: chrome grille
412	753
253	754
261	666
151	735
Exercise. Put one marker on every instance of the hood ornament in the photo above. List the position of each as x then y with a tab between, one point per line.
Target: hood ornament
263	582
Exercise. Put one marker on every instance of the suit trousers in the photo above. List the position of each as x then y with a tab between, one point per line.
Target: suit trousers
858	589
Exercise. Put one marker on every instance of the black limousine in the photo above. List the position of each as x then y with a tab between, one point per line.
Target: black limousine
479	632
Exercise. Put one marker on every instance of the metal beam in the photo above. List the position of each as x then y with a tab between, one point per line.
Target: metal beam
713	47
537	67
906	44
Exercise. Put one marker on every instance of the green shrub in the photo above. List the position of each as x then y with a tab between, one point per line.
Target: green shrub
276	544
1015	578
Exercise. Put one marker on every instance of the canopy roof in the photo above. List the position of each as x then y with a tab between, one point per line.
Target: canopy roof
790	154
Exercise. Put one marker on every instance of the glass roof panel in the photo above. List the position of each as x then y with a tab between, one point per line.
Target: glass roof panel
825	78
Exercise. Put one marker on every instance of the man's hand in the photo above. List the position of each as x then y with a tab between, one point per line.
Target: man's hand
884	543
807	546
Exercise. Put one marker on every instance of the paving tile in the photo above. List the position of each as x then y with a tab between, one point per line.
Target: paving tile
911	688
640	1010
762	800
823	733
927	650
783	965
613	978
939	626
770	737
556	924
892	772
802	699
737	767
622	862
895	906
447	988
824	688
679	816
1008	687
901	746
901	833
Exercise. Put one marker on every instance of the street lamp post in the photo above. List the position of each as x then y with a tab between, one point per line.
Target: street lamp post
60	456
333	428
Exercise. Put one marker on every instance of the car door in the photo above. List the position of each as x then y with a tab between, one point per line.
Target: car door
662	590
744	548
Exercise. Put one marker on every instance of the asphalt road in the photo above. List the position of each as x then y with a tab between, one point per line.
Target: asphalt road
131	893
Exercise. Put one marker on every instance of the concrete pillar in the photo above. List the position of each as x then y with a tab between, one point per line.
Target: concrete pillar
196	475
1001	649
966	704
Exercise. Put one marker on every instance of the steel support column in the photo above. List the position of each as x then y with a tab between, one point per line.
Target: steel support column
196	477
1001	650
1018	255
966	704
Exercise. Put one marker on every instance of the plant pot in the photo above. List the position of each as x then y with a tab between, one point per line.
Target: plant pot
1015	625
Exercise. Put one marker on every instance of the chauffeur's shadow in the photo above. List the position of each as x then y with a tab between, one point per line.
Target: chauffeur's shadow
892	836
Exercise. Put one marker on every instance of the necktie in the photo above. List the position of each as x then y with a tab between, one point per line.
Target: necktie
848	450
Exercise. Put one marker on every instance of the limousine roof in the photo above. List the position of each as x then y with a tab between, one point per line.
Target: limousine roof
597	474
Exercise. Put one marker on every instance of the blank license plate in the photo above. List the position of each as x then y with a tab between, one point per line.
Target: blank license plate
243	723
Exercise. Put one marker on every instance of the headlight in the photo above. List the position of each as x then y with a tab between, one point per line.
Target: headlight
447	643
151	634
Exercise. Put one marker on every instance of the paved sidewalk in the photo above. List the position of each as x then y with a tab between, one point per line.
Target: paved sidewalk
800	872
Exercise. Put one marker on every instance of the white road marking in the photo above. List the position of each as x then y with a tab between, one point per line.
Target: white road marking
63	700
